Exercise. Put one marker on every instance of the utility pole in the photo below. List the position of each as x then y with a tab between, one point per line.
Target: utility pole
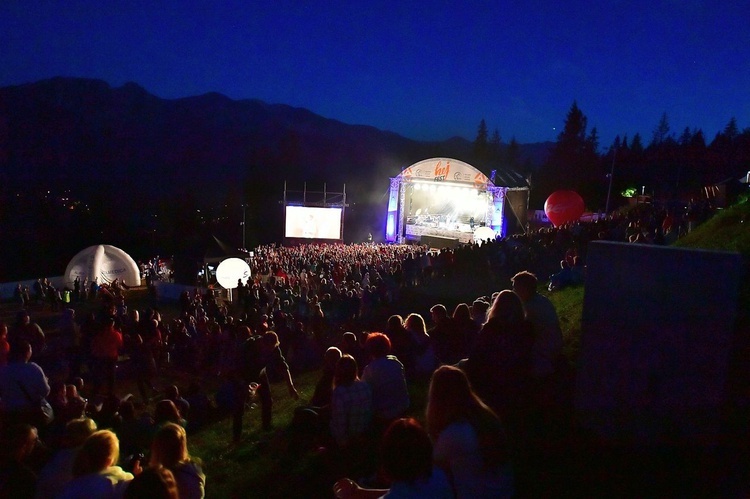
244	225
611	175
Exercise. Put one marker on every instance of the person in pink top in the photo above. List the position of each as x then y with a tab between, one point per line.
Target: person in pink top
105	349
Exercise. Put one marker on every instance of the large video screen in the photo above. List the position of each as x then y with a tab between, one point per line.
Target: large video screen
313	223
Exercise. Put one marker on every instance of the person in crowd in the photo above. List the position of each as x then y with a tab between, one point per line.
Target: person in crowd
405	456
499	365
385	375
351	403
17	479
169	449
105	350
4	344
402	344
470	442
425	360
350	345
135	430
18	296
466	329
444	335
95	471
173	394
275	369
153	483
166	412
27	330
59	471
23	386
561	279
547	354
144	364
479	308
324	387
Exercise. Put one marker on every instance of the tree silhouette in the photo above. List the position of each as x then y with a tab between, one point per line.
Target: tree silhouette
481	144
573	163
661	132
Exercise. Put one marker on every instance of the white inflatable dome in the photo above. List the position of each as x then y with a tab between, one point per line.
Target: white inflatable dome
105	263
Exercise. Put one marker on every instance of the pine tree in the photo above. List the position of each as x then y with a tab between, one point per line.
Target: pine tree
731	131
481	146
573	162
661	132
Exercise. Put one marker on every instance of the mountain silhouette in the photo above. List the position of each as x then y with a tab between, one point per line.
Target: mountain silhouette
133	151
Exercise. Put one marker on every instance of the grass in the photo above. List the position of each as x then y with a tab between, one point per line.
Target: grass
729	230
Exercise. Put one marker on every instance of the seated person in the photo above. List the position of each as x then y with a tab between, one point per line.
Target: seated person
406	463
95	471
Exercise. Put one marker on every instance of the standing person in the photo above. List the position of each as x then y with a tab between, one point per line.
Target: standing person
467	330
275	369
500	362
105	350
169	449
142	356
425	360
470	443
541	313
23	386
18	296
443	335
385	375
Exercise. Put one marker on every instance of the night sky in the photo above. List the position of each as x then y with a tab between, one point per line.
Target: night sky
426	70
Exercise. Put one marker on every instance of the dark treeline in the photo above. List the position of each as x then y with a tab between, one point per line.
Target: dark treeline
669	166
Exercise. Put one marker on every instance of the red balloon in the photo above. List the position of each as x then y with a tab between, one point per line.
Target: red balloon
562	207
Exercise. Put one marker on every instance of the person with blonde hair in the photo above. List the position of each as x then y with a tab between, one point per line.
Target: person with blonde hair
469	440
169	449
95	469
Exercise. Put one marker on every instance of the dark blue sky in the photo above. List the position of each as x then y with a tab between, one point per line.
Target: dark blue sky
426	70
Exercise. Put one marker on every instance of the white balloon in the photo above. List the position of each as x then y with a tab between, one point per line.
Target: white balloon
483	233
230	271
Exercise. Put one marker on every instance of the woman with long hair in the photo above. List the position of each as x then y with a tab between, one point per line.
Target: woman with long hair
169	449
425	360
499	365
470	441
468	329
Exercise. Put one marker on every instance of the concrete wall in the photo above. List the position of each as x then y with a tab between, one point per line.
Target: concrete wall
657	329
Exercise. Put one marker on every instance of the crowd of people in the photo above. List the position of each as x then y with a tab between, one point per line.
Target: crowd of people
497	374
